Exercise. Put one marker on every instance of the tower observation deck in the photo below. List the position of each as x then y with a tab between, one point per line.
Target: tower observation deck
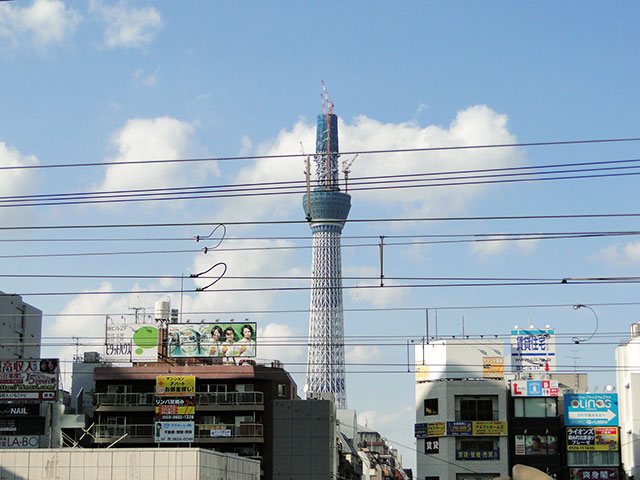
326	208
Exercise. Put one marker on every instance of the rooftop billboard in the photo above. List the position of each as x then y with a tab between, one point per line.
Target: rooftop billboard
211	340
130	342
533	350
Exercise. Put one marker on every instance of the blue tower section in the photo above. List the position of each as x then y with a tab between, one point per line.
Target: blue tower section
327	209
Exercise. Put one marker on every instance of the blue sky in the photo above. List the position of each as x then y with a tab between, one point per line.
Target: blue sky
133	80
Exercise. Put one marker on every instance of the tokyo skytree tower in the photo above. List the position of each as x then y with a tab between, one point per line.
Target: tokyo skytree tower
326	209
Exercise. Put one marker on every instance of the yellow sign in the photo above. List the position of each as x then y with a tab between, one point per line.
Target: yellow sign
493	367
422	372
489	428
437	429
175	386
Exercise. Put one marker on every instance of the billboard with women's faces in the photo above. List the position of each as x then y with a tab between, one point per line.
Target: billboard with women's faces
223	340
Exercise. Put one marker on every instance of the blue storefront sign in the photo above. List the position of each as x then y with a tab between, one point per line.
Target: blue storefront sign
583	409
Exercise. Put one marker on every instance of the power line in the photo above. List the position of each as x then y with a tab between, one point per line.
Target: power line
293	187
302	155
298	222
355	287
346	309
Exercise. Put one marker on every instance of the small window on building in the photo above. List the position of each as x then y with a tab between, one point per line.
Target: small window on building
431	406
536	444
282	389
535	407
476	408
431	478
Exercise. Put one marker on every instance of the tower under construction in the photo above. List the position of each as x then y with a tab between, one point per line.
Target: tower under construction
326	209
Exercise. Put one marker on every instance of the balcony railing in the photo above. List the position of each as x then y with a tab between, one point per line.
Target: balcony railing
125	399
230	398
201	398
229	431
201	431
117	431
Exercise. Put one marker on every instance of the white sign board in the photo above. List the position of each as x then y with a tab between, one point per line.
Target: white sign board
131	342
533	350
174	432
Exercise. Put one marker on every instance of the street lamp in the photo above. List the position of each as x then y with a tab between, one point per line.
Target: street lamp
582	340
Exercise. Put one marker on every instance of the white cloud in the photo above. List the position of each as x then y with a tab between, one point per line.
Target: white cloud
143	139
16	182
361	354
378	297
477	125
240	263
127	26
150	80
391	425
280	342
44	22
246	145
498	244
621	255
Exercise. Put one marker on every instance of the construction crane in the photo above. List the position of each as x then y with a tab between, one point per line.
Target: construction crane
346	165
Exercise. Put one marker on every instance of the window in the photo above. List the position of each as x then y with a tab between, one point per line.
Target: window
536	444
593	458
431	406
535	407
476	444
282	389
476	408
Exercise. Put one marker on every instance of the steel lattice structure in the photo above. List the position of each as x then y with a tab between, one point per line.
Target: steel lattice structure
326	208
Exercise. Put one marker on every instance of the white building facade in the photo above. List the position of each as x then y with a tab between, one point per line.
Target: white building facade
461	410
628	383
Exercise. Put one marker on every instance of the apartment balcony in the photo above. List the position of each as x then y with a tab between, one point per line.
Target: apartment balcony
204	433
204	401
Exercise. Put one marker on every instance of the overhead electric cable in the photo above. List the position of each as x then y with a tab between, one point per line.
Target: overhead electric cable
235	191
302	155
298	222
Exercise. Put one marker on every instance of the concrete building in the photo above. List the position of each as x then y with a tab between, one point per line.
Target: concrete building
304	441
461	429
230	408
20	328
126	463
628	386
461	410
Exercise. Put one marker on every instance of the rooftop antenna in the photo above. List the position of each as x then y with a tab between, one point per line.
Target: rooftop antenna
346	165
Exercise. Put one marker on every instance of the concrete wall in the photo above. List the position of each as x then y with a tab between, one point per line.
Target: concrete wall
304	440
20	328
125	463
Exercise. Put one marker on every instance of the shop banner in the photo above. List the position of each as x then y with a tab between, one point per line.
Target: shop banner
29	379
174	409
22	425
586	409
592	439
493	367
174	432
593	473
477	454
19	441
175	386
